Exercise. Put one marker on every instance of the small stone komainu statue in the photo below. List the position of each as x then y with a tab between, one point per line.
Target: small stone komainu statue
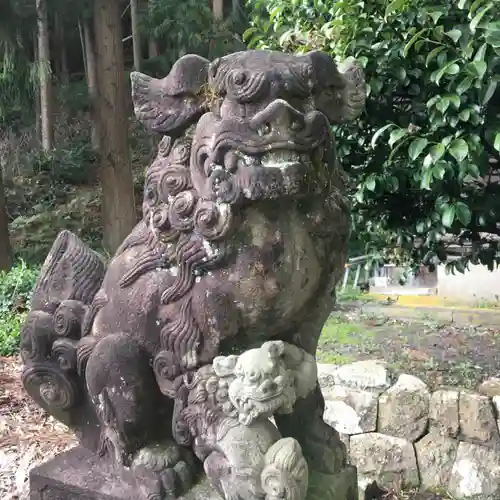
187	363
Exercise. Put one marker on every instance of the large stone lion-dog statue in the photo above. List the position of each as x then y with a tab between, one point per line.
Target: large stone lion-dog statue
205	323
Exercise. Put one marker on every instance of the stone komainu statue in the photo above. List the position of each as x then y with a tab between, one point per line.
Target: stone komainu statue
205	323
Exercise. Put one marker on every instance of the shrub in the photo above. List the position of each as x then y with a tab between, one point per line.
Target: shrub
15	294
424	158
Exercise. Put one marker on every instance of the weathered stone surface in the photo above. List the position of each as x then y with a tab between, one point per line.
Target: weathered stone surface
490	387
496	404
389	461
477	419
244	233
350	411
404	409
443	412
476	473
78	474
364	375
326	375
435	457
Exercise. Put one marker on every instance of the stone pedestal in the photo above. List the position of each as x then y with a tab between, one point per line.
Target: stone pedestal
78	474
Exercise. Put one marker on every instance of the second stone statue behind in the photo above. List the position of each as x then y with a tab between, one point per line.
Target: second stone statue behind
204	325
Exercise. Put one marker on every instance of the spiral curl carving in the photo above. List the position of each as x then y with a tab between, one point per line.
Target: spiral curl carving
37	336
64	353
174	180
181	209
245	87
68	319
166	369
181	151
165	146
213	221
48	384
159	218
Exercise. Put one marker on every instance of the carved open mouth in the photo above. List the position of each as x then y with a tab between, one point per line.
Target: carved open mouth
277	159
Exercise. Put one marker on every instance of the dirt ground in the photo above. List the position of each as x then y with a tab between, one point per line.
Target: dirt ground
440	353
28	436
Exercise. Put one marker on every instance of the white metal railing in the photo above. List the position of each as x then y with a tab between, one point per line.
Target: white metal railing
359	263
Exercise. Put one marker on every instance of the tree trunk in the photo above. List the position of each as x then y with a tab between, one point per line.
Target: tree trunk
47	126
90	58
62	53
118	206
5	249
154	50
38	123
136	39
218	9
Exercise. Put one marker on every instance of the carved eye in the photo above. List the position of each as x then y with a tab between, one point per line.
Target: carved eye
239	77
264	129
254	376
151	194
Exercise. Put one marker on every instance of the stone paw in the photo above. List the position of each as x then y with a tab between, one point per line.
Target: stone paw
164	471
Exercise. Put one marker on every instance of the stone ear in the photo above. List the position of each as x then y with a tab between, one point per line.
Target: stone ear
224	365
169	105
339	91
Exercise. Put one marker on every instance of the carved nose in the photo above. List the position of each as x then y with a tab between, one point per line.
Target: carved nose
278	117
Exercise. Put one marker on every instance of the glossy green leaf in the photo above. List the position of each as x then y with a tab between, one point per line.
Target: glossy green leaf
459	149
371	183
451	69
438	170
454	34
379	132
477	19
443	104
396	135
416	147
463	213
490	91
464	85
437	151
496	143
412	41
481	52
425	181
393	6
433	54
454	99
478	68
448	216
464	115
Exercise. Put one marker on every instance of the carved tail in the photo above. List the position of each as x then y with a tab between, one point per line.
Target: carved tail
51	336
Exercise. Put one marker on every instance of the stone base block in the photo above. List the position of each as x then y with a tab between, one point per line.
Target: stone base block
78	474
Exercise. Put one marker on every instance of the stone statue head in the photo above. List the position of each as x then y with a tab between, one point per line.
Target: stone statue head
261	120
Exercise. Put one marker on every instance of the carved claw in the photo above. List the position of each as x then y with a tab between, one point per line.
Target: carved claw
164	471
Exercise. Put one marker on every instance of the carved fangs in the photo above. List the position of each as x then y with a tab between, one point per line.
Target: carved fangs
281	159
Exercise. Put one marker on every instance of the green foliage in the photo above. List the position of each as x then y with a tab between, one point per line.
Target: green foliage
16	287
15	295
423	157
187	27
10	329
66	165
